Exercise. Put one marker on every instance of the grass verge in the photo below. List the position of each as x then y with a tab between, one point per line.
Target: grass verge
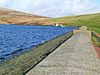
95	39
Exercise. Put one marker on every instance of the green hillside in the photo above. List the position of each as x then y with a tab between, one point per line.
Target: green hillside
90	20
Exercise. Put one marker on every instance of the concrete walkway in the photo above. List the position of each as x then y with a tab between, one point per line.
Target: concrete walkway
76	56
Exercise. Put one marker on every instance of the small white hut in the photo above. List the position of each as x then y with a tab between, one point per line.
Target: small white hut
59	25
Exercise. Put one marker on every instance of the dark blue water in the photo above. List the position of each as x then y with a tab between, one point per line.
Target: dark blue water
15	39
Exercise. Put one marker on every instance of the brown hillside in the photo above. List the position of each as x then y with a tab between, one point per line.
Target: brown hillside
8	16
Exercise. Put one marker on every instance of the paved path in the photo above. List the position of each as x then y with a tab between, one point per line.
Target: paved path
76	56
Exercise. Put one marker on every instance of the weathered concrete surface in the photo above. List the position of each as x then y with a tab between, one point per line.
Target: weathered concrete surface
76	56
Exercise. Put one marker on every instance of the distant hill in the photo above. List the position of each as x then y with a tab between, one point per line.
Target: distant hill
8	16
90	20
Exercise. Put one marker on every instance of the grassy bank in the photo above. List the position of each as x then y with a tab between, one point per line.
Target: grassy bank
21	64
92	21
96	39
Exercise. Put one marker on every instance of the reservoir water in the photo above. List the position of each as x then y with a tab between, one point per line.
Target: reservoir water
15	39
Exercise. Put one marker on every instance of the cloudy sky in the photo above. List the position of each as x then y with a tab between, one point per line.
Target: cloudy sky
53	8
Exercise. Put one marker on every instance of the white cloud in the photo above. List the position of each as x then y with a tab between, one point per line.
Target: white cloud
52	8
